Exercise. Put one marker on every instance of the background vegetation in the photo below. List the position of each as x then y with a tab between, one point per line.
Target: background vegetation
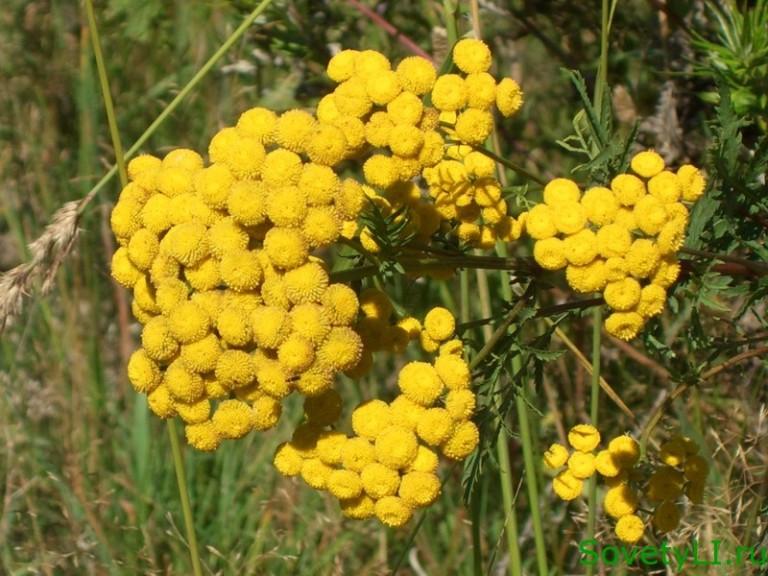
86	478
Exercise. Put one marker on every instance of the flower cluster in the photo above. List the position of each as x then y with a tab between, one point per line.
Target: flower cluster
405	116
387	467
235	309
681	470
621	241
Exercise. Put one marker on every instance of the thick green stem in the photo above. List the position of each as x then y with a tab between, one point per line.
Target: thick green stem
181	479
597	331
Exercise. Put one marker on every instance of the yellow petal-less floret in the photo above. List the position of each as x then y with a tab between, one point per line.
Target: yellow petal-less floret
383	87
327	145
453	371
625	450
358	508
287	460
342	65
586	279
624	325
509	97
556	456
567	486
156	214
234	327
187	242
622	295
310	321
620	501
460	404
481	90
143	248
462	442
195	412
550	254
241	270
270	326
607	464
440	324
189	322
258	123
233	419
628	188
559	191
416	74
630	528
379	481
341	304
213	185
393	511
652	300
471	55
306	284
406	108
449	93
246	202
647	163
161	403
692	182
329	445
205	275
319	183
202	436
435	426
426	461
540	222
650	214
201	356
581	464
142	163
183	384
286	247
157	340
580	248
321	226
473	126
419	489
341	350
357	453
235	369
380	171
569	218
174	180
406	412
370	418
315	473
125	219
296	353
286	206
351	98
420	382
613	240
600	205
665	186
281	168
396	447
294	128
642	258
584	437
123	270
667	272
344	484
143	372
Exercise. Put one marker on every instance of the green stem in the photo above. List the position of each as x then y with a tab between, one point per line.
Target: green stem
510	524
181	479
597	331
106	93
168	110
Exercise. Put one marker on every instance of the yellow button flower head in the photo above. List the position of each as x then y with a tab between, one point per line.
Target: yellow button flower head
426	461
569	217
155	215
382	87
143	248
329	445
406	412
550	254
622	295
174	181
358	508
607	464
202	436
624	325
581	248
319	183
652	299
416	74
143	372
556	456
226	236
380	171
341	350
650	214
344	484
473	126
243	155
124	219
405	140
161	403
286	206
396	447
286	247
235	369
418	489
581	464
281	168
472	56
379	481
615	269
258	123
584	437
393	511
509	97
567	486
420	382
406	108
671	237
628	189
453	371
481	90
270	326
233	327
158	342
306	284
647	163
460	404
692	182
613	240
189	322
342	65
294	129
620	501
315	473
665	186
600	205
375	304
589	278
141	164
370	418
195	412
435	426
540	223
241	270
183	384
643	258
462	442
449	93
327	145
287	460
202	355
296	353
183	158
233	419
123	270
630	528
371	62
357	453
351	98
205	275
440	324
559	191
144	295
341	304
625	450
667	272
